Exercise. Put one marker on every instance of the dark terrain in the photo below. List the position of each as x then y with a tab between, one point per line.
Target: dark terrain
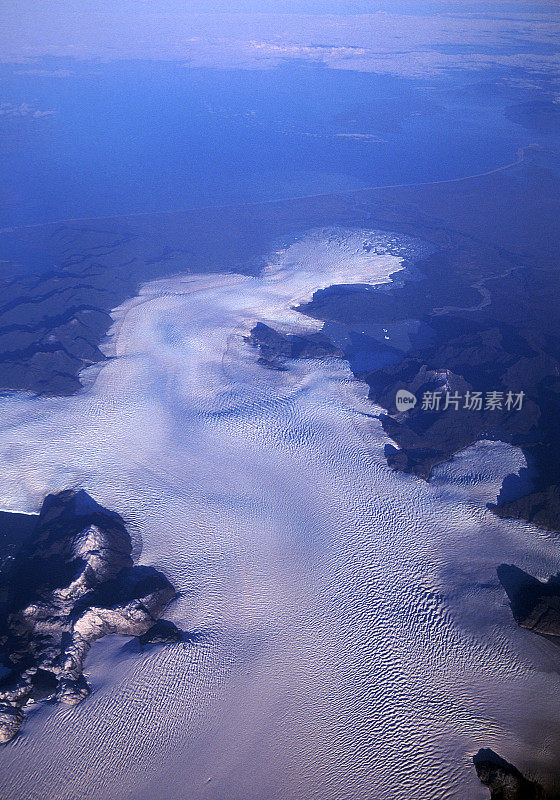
535	604
71	582
503	779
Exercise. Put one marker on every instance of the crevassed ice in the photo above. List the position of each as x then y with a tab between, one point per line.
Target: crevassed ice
352	639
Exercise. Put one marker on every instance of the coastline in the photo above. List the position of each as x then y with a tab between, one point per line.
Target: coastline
71	220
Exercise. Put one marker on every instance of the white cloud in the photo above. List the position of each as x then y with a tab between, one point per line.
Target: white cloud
23	110
404	44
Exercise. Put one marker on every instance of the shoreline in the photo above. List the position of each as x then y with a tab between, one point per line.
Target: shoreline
521	158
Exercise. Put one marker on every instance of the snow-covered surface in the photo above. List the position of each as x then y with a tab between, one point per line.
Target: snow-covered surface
352	639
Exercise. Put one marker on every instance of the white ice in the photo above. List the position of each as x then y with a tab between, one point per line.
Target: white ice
352	640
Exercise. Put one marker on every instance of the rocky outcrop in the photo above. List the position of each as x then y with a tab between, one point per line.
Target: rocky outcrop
503	779
539	508
163	632
10	721
72	583
275	346
535	605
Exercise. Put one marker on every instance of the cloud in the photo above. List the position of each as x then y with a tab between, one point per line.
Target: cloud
46	73
410	44
23	110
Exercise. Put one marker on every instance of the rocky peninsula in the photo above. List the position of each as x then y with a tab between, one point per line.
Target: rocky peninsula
71	582
503	779
535	604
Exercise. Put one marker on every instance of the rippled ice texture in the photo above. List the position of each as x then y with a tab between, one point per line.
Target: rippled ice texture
352	640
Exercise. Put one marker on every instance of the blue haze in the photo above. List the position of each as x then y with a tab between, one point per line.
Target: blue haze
134	137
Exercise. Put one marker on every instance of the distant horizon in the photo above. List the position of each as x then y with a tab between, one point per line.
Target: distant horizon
259	34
